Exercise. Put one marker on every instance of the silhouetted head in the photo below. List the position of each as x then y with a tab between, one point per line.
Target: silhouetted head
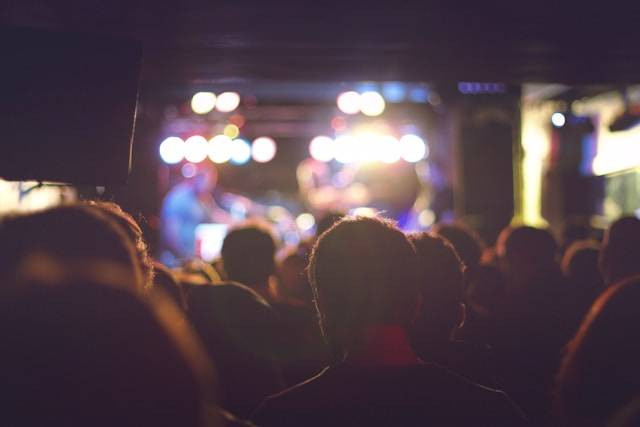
89	354
363	272
134	233
205	180
441	287
465	241
580	263
166	281
71	232
620	254
248	253
326	221
600	371
526	253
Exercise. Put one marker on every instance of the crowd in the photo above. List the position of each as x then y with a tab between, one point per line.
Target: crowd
364	325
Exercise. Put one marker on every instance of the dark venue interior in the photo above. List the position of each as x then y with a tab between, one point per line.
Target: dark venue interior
319	213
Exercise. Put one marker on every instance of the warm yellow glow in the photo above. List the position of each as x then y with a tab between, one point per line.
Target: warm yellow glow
346	149
364	211
372	103
227	102
263	149
321	148
305	221
195	149
220	149
172	150
232	131
349	102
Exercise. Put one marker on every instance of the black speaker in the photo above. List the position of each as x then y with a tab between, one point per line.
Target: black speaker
67	106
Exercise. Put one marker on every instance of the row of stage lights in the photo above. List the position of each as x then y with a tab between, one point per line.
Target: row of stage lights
368	148
205	102
344	149
219	149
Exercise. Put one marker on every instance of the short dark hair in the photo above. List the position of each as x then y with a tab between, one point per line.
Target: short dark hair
363	272
248	254
620	253
465	241
441	282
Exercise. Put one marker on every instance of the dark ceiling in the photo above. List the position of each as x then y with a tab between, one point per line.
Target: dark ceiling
211	41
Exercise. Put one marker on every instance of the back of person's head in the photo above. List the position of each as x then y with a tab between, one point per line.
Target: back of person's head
363	272
580	264
89	354
133	231
248	254
73	231
465	241
441	286
620	255
526	252
600	370
326	221
293	283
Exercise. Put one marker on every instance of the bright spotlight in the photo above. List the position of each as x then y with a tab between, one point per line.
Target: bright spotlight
349	102
412	148
369	147
371	103
321	148
305	221
220	149
389	149
346	148
263	149
240	151
172	150
203	102
426	218
227	102
558	120
196	149
364	211
232	131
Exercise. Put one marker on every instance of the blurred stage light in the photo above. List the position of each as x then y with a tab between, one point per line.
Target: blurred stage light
220	149
238	120
426	218
413	148
305	221
172	150
188	170
369	147
227	102
263	149
346	149
389	149
558	120
364	211
240	151
196	149
203	102
232	131
321	148
338	124
349	102
371	104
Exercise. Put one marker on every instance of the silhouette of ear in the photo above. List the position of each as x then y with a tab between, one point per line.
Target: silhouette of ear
462	315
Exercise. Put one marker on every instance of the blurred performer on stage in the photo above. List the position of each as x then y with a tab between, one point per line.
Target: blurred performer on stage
187	205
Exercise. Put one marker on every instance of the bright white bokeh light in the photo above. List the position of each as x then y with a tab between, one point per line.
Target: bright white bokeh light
240	151
172	150
371	103
321	148
196	149
346	149
219	149
305	221
349	102
389	149
369	146
426	218
364	211
227	102
203	102
558	120
263	149
412	148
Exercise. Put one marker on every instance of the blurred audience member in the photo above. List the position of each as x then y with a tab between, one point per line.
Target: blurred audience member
165	280
600	372
620	254
241	334
248	257
443	312
464	240
75	232
326	221
364	275
85	353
